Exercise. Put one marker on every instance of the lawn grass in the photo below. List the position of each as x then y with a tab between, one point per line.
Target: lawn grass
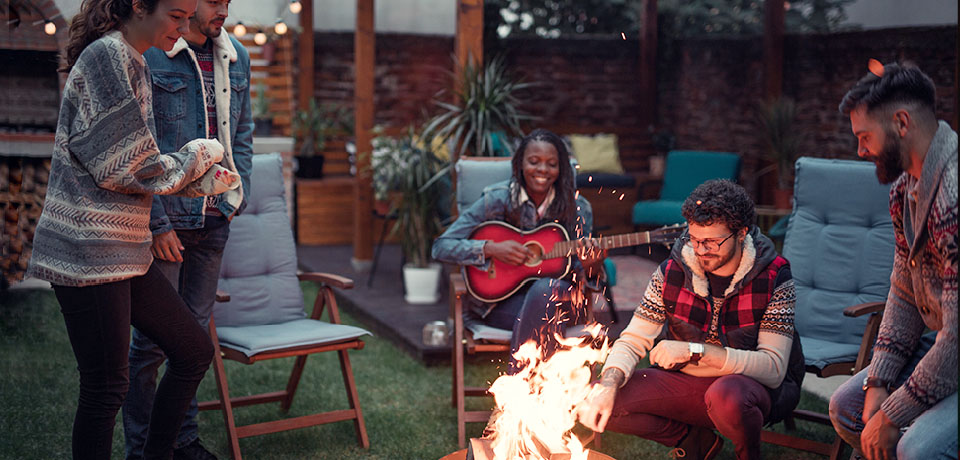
406	405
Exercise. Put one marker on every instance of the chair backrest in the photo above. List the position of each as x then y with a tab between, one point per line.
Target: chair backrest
259	266
476	173
686	169
840	245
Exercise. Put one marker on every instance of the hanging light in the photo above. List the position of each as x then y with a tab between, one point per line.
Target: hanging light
280	28
295	6
239	30
49	27
260	38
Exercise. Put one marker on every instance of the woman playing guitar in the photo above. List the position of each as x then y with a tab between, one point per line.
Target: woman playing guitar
541	190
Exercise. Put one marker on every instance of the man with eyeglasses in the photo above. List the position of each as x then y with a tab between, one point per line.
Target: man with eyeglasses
728	357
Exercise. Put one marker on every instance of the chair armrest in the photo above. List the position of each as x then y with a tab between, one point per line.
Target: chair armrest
338	281
854	311
223	296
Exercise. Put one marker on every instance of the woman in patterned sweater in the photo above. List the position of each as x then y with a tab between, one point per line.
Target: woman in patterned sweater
93	242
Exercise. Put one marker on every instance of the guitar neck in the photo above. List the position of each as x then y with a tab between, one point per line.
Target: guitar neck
567	248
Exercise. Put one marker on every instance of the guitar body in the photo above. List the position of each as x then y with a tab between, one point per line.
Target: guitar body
501	280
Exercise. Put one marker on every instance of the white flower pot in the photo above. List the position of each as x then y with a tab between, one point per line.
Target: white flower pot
422	283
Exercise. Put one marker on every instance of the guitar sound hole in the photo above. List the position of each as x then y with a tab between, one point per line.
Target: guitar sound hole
537	251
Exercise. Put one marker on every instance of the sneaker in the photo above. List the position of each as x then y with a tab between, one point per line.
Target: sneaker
193	451
699	444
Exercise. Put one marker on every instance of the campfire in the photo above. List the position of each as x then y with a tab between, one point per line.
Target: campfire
537	406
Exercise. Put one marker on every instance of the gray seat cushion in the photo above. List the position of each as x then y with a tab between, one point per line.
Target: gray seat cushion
839	242
259	271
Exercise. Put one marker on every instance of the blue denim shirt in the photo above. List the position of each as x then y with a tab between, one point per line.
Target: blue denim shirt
180	114
454	245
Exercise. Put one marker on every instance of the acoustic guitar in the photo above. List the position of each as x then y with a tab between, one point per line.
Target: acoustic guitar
552	250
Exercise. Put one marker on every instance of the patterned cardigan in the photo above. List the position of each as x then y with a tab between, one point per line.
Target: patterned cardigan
106	168
923	285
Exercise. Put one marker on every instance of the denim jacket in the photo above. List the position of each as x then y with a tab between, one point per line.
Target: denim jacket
454	245
180	113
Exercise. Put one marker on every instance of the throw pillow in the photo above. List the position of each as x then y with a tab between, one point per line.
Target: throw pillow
597	153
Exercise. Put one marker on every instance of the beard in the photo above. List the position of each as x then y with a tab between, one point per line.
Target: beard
713	262
890	161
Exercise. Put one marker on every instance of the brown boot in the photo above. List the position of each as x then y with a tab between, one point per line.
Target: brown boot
699	444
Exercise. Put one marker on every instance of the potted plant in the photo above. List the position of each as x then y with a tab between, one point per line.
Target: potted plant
776	118
262	118
486	106
311	129
412	170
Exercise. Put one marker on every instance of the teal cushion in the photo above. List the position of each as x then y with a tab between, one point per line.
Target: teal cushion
686	169
251	340
821	353
611	269
657	212
473	175
839	242
259	265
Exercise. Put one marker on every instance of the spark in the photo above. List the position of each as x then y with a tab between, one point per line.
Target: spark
623	35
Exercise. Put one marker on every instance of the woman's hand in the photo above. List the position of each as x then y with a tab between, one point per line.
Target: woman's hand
508	251
590	253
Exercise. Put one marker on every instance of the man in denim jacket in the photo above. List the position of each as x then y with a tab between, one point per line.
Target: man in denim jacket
200	89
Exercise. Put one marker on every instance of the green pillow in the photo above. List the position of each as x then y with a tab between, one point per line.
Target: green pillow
597	153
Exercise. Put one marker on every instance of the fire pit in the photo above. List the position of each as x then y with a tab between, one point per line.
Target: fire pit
481	449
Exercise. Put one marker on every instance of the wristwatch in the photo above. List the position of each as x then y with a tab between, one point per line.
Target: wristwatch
696	352
875	382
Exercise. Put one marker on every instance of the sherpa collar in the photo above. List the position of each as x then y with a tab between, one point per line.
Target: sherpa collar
221	43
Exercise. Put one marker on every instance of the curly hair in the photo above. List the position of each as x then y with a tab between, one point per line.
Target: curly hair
95	19
900	84
564	207
719	201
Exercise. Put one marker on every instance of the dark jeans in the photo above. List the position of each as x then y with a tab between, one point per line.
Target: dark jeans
662	406
536	312
98	320
196	281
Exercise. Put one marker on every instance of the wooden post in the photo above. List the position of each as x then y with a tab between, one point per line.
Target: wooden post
648	63
469	40
364	48
773	28
305	56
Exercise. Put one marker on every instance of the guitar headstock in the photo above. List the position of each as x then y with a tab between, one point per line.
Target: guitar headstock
668	234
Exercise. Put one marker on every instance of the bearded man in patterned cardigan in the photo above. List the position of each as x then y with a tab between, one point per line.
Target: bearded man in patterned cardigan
729	358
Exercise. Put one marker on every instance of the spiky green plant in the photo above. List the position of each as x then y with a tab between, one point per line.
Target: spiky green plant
777	118
486	101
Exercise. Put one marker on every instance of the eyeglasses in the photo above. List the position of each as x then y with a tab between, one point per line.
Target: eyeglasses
709	245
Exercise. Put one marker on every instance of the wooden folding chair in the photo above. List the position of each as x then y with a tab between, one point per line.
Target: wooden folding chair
263	318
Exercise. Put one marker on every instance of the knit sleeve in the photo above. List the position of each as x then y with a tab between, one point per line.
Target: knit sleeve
935	376
110	136
638	337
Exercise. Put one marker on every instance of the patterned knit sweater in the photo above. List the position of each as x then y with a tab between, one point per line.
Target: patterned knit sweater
923	285
106	168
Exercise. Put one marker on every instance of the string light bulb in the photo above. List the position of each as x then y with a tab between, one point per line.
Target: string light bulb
280	28
295	6
239	30
260	38
49	27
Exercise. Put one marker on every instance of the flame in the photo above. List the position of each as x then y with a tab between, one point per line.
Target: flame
538	404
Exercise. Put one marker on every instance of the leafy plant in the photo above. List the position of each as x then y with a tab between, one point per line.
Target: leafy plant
405	165
777	119
260	104
486	102
313	126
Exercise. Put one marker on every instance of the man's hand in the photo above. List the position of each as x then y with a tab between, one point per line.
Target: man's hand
879	438
874	397
508	251
595	411
670	354
166	246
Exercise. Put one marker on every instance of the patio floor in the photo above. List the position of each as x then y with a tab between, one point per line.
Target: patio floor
382	308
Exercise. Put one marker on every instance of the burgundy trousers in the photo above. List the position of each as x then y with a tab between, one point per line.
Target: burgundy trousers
662	405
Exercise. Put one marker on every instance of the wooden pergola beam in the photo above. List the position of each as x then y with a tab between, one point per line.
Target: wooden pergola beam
773	29
305	55
364	48
648	62
469	39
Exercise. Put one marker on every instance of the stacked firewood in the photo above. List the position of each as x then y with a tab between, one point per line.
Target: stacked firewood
23	186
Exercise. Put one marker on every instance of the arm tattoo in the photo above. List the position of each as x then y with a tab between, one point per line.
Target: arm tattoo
613	377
